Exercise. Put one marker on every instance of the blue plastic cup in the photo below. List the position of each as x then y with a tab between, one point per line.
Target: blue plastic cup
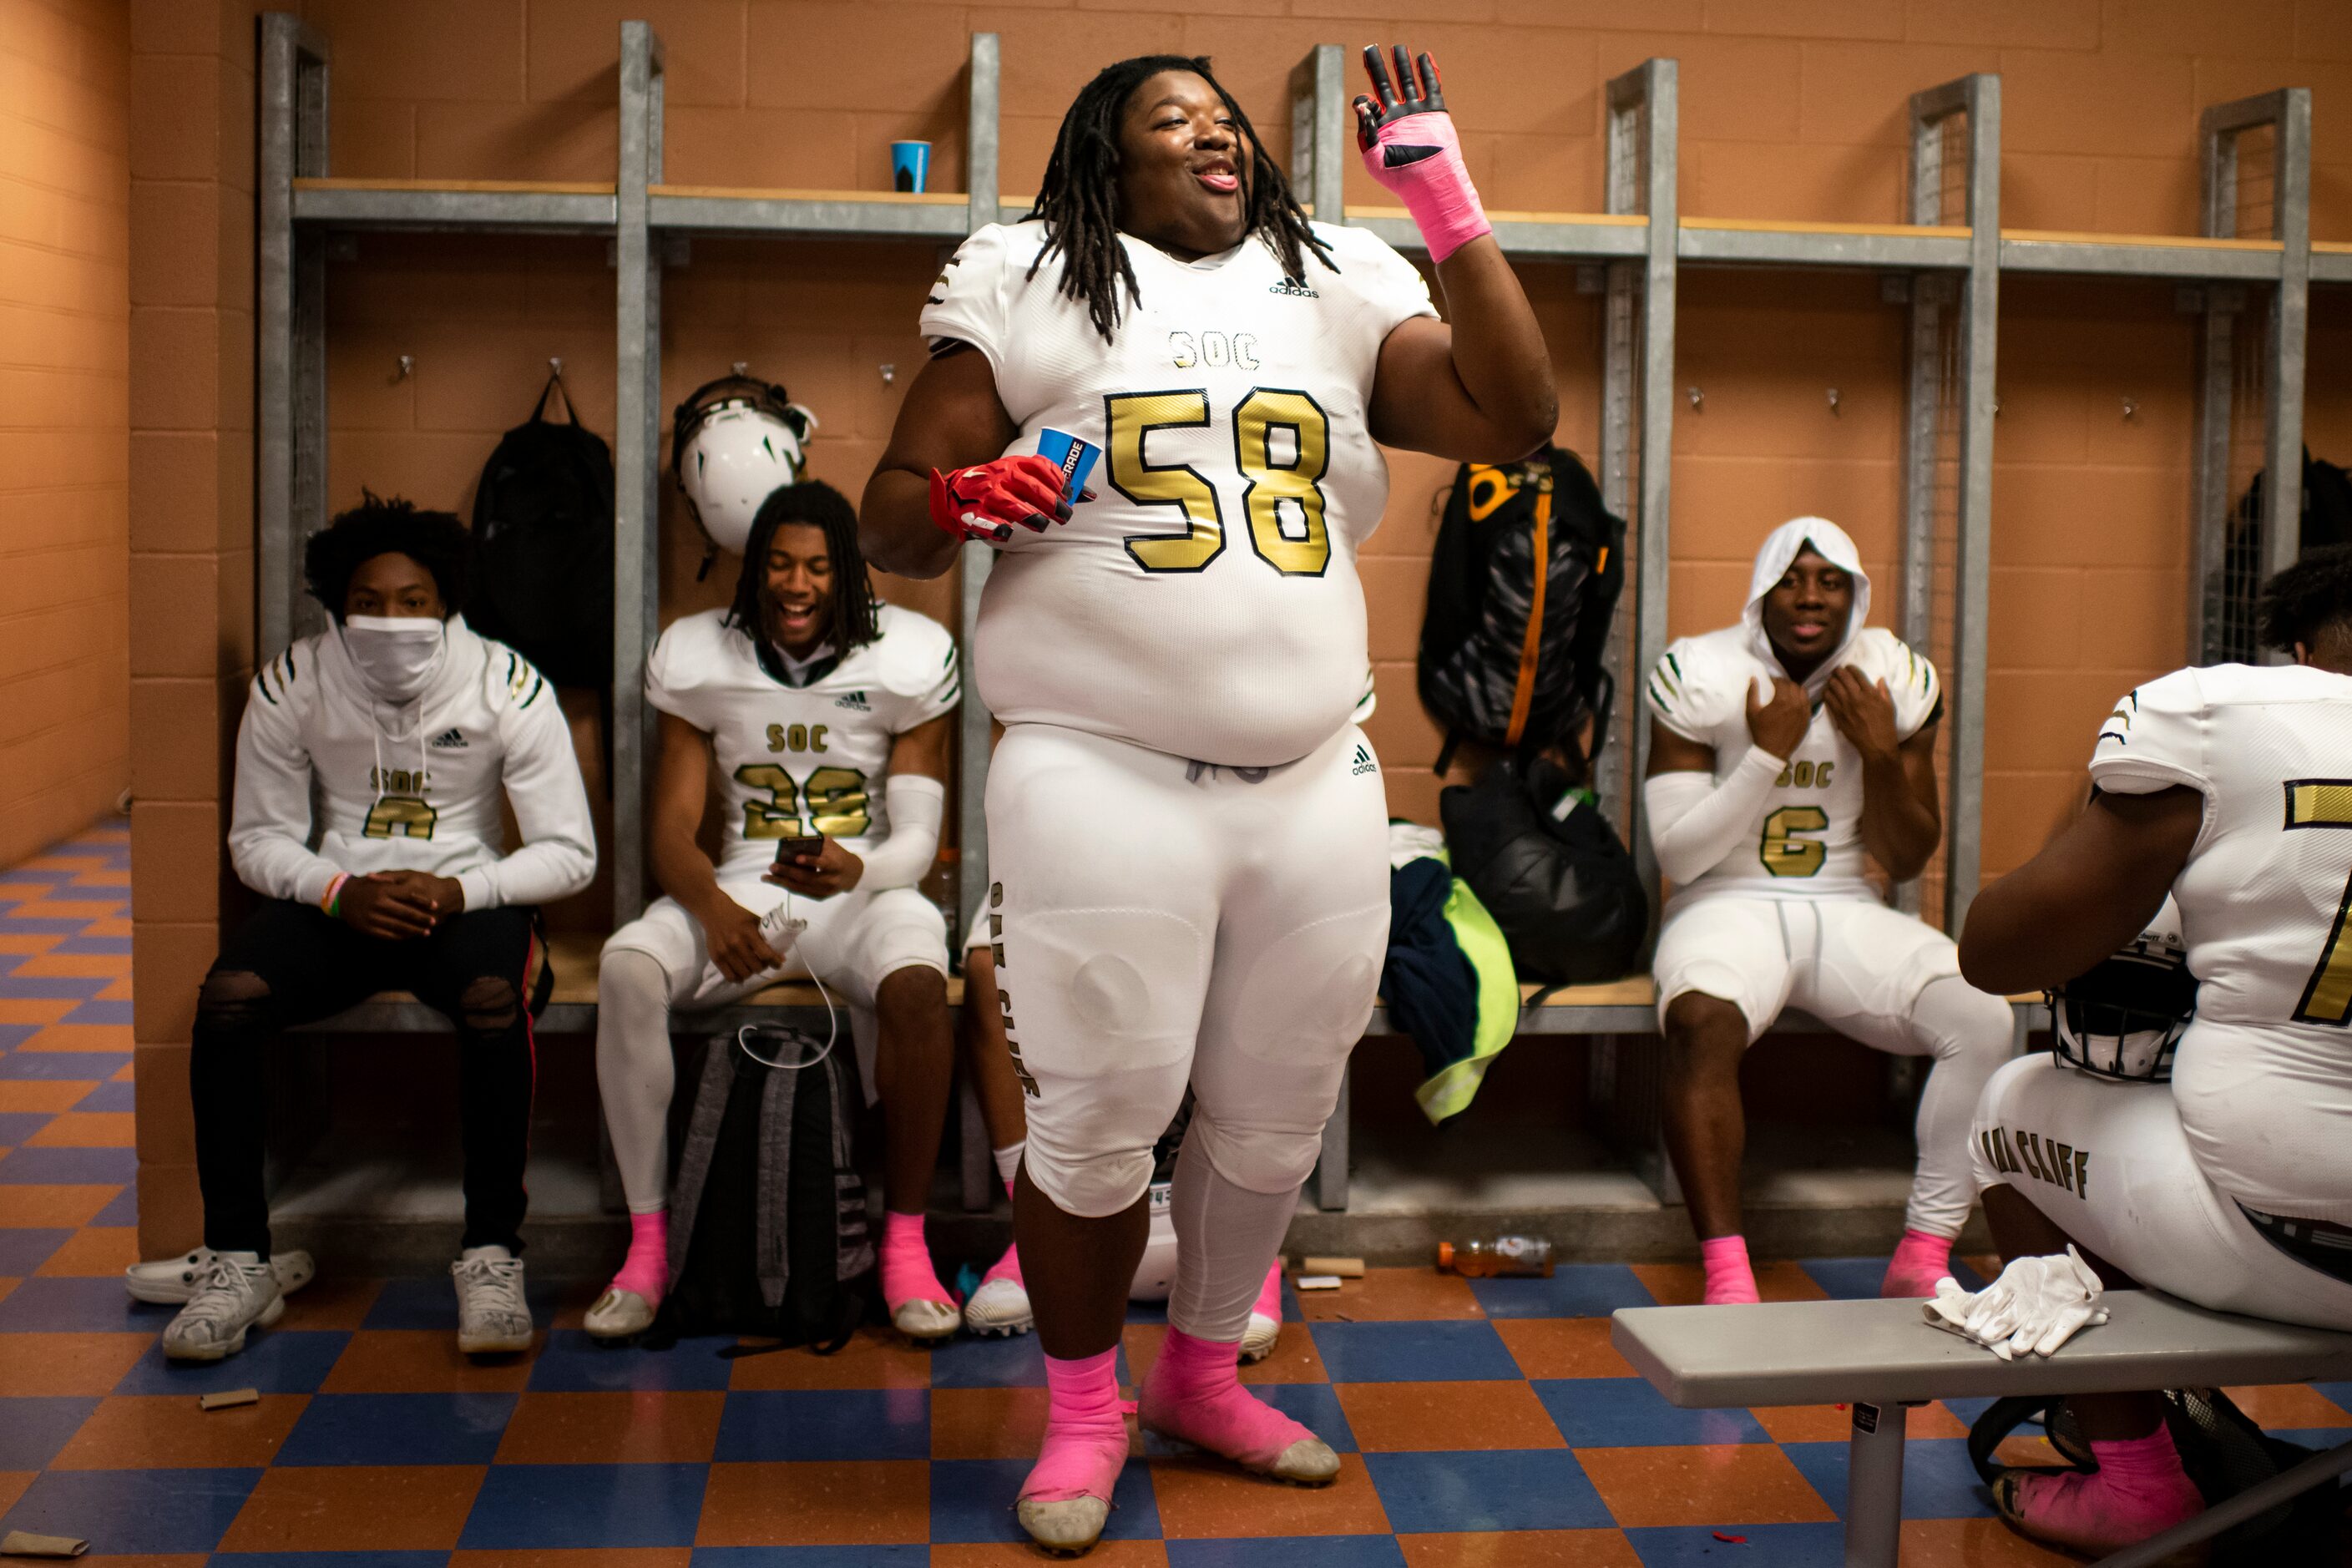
910	165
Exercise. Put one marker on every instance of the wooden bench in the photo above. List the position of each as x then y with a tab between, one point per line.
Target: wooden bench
1881	1357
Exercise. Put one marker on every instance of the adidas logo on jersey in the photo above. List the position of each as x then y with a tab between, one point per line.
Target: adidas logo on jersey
449	741
1291	287
1364	764
856	702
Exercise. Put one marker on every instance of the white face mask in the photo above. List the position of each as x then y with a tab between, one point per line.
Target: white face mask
396	655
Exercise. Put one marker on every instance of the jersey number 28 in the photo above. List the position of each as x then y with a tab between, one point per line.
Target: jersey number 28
836	802
1130	418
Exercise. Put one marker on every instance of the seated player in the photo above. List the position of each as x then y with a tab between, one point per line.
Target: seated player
825	712
1001	1303
1784	749
2231	1184
406	726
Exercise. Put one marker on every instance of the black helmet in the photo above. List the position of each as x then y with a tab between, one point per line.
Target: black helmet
2124	1017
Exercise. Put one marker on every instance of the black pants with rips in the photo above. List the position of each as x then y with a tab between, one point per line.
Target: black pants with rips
290	963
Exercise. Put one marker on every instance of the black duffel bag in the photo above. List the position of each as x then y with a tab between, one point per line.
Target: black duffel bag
1560	885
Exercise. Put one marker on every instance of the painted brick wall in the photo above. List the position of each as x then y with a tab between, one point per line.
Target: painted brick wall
64	441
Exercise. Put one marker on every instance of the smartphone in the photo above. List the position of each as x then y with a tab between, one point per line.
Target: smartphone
794	848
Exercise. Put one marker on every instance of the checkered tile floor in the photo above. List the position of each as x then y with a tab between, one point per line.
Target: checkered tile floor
1483	1423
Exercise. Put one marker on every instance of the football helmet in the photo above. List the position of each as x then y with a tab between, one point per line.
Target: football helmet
733	441
2123	1019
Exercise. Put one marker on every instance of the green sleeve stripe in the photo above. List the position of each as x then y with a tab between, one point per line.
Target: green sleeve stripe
1660	698
539	684
1673	662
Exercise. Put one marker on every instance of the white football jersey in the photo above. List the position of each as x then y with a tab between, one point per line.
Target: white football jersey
797	760
2264	1075
1206	603
409	787
1808	835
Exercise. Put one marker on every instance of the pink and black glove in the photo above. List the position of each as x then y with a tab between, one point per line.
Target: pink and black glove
986	499
1411	149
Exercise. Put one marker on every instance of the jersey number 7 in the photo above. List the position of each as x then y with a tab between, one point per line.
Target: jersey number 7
1130	418
2327	997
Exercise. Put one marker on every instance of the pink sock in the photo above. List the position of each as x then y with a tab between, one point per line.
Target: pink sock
906	1273
646	1268
1269	1296
1920	1259
1728	1277
1085	1431
1006	1268
2140	1490
1194	1394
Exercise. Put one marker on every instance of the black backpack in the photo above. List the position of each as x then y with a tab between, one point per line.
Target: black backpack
1508	657
768	1230
1562	887
543	547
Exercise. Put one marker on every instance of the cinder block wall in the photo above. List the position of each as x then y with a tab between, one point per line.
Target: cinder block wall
1789	110
65	315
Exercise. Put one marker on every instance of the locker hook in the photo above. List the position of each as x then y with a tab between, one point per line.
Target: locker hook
2131	406
407	367
1698	398
1834	400
741	367
556	364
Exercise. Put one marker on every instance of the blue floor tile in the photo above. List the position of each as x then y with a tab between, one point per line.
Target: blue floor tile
1627	1413
826	1424
16	1126
1574	1290
1414	1352
334	1559
21	1251
903	1556
119	946
14	1035
275	1360
398	1429
69	1167
103	1011
53	1066
572	1363
41	925
33	1430
78	1306
1939	1482
430	1301
971	1500
1314	1406
1763	1546
1496	1489
1289	1552
123	1210
975	1363
133	1511
1847	1278
583	1506
109	1096
54	988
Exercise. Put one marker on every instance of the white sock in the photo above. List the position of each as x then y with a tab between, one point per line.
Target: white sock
634	1074
1008	1161
1226	1238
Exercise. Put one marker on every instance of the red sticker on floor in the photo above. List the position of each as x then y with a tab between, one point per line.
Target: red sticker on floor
1735	1540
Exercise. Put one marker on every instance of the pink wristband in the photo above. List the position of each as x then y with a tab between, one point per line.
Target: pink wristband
327	900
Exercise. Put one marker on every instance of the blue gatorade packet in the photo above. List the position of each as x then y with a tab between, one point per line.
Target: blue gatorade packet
1074	458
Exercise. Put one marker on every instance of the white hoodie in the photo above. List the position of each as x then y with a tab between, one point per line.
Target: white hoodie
410	787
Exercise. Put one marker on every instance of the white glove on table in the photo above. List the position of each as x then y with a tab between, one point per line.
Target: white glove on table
2036	1305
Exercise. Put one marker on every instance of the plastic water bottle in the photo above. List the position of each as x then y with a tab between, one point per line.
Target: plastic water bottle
1518	1256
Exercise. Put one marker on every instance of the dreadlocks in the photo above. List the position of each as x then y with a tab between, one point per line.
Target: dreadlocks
1078	198
855	618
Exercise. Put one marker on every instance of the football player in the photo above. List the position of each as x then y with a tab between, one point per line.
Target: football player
407	726
2229	1184
1187	831
824	713
1783	751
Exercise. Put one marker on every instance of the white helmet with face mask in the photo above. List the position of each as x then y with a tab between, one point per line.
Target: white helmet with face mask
735	441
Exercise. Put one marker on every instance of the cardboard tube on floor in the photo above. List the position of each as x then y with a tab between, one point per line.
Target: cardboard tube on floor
1345	1267
25	1544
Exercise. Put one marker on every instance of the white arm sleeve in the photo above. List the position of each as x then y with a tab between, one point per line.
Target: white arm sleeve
558	856
916	806
269	828
1694	822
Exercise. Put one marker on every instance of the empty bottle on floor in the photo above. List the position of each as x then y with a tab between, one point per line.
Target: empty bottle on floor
1518	1256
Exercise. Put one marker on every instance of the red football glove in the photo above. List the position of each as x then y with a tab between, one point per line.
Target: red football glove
986	499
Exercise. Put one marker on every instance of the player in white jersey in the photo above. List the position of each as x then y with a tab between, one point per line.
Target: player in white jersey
820	714
1186	832
406	728
1783	752
2230	1186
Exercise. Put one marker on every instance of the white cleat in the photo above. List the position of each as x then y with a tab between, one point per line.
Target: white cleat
1066	1527
1259	1339
618	1314
492	1317
239	1292
926	1322
172	1282
999	1308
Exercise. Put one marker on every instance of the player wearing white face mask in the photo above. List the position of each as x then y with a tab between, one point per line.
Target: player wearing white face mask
410	727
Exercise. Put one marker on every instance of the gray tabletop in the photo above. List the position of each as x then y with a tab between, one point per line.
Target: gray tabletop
1817	1352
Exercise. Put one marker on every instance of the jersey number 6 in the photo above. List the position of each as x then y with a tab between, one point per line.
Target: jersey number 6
1785	854
1131	416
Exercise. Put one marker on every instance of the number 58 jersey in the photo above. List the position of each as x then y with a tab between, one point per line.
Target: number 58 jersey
1206	603
809	758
